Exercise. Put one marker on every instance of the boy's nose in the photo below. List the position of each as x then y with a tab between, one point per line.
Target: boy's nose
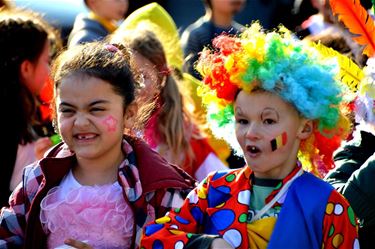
252	132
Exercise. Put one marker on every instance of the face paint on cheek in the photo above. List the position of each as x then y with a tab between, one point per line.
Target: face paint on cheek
111	123
279	141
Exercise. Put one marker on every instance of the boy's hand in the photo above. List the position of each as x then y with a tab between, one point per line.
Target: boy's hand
77	244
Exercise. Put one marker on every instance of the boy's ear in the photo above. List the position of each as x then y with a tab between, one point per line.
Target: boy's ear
307	127
130	115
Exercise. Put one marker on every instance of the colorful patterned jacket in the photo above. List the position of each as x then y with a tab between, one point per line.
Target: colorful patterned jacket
160	187
219	207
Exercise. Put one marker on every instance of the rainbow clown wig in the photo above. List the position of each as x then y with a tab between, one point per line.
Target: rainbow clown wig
279	63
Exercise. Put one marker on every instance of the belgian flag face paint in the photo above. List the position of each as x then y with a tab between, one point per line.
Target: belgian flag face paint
279	141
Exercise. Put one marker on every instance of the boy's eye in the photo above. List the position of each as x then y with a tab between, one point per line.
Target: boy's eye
269	121
241	121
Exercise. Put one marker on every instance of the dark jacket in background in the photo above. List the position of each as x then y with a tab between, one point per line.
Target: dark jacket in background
354	177
86	29
198	35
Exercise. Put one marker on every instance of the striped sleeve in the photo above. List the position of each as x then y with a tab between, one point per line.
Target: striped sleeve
13	218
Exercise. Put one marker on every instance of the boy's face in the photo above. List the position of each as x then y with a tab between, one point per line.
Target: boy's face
269	131
109	9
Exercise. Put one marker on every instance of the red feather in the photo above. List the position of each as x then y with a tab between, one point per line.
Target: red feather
358	21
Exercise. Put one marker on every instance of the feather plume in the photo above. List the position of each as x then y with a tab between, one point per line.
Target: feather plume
358	21
350	73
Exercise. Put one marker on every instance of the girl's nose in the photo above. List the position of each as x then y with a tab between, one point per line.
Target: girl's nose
81	120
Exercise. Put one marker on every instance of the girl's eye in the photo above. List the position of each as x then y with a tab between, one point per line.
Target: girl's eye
269	121
96	109
66	111
242	121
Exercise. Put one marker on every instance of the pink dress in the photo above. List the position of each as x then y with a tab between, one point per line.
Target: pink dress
98	215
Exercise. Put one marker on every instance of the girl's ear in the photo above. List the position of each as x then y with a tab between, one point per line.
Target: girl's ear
130	115
307	127
26	69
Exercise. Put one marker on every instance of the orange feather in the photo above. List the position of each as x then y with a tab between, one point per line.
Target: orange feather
358	21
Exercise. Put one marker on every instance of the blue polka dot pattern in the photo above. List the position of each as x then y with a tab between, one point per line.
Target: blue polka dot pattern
157	245
219	174
197	214
224	189
222	219
181	220
216	196
153	228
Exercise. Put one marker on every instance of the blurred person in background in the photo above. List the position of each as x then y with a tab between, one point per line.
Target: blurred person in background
4	4
99	22
25	44
171	129
354	173
218	18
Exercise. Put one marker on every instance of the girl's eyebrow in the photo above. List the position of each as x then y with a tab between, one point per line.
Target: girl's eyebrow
91	104
102	101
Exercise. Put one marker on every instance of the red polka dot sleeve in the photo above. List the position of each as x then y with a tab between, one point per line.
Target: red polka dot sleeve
180	225
340	224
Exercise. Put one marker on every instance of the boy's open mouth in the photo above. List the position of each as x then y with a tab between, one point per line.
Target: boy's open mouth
253	150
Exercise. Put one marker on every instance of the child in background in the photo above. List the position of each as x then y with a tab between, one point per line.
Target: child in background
100	22
354	173
218	18
99	187
171	128
277	99
25	48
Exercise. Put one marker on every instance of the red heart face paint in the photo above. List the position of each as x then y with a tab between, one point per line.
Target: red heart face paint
111	123
279	141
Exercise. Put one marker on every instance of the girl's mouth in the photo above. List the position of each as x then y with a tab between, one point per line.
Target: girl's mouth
85	137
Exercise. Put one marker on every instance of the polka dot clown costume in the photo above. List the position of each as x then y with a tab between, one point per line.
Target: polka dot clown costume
297	210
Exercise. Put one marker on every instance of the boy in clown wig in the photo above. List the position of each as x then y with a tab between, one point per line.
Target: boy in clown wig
275	99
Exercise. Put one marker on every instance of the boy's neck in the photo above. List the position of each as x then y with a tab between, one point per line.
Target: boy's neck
220	20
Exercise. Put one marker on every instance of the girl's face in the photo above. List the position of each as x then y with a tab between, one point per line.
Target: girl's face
268	130
39	71
91	117
150	77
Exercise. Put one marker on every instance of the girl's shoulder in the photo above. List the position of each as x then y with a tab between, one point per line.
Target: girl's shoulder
32	174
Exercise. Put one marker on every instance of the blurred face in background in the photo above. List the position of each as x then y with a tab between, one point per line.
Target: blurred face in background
35	73
227	6
150	74
109	9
